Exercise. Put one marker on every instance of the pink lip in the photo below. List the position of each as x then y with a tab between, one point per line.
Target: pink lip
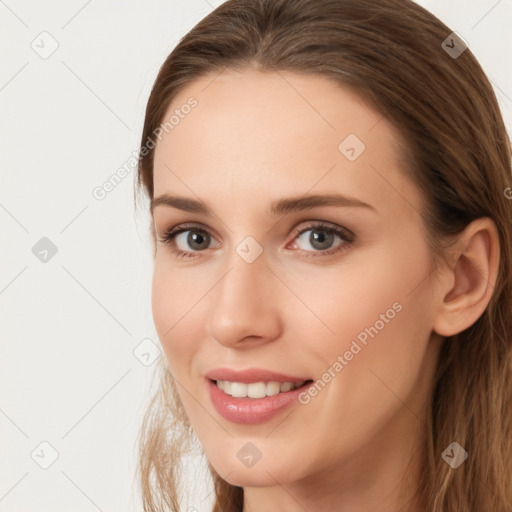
250	411
251	375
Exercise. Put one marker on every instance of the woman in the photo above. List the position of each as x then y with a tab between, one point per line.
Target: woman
332	283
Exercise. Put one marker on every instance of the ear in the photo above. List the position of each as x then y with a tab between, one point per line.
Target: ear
468	281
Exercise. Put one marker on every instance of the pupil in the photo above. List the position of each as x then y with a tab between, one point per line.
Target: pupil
321	237
195	238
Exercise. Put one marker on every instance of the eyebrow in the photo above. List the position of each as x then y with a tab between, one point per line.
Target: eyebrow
278	207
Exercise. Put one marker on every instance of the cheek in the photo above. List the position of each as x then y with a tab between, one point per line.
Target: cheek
382	318
353	296
379	309
173	303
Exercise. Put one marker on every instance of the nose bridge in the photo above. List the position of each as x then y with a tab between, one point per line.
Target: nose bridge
243	303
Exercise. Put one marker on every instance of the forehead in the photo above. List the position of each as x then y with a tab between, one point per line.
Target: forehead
262	132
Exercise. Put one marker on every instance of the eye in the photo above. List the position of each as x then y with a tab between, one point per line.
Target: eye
321	237
195	239
186	240
181	240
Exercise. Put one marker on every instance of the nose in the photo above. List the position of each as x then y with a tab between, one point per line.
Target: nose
245	308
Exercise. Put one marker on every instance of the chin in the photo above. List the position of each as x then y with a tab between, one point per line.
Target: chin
254	477
264	473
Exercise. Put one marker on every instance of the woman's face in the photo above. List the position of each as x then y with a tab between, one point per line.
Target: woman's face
349	311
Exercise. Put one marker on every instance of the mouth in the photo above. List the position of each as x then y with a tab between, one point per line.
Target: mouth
250	403
257	390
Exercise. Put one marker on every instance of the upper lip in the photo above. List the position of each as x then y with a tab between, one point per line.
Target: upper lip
251	375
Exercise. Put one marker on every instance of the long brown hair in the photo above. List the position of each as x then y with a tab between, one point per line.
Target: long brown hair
457	151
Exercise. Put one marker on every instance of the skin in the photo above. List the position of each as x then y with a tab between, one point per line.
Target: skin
254	138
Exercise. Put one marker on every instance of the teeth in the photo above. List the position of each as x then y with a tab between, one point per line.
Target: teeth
272	388
287	386
256	389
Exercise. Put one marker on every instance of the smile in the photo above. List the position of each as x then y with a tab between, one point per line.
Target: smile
256	389
249	403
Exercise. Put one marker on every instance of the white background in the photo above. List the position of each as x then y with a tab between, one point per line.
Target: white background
68	374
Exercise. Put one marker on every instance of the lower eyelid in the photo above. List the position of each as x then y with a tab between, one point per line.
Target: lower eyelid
343	245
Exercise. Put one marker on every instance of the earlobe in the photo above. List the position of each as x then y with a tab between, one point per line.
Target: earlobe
469	283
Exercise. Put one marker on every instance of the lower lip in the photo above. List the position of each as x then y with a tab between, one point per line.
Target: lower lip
250	411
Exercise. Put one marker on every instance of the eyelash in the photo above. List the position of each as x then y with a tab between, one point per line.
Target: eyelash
344	234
